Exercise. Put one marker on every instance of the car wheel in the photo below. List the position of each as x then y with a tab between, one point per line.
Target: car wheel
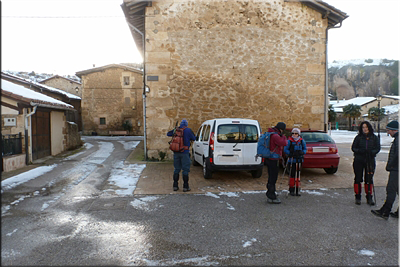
330	170
257	173
206	170
194	162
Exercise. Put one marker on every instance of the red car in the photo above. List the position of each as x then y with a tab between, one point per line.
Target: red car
321	151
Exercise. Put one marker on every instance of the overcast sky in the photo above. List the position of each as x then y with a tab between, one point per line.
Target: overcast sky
67	45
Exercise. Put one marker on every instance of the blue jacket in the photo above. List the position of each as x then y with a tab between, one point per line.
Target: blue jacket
293	146
188	136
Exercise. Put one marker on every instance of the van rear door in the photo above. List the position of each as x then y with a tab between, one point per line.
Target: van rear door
251	135
228	144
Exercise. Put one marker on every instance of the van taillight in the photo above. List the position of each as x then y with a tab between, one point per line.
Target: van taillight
212	141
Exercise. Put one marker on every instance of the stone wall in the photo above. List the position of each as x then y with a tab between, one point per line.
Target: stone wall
73	137
253	59
65	85
104	95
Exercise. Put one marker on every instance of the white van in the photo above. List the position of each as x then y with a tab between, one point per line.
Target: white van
228	144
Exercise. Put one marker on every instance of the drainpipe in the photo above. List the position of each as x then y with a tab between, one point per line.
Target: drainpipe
326	76
144	89
26	134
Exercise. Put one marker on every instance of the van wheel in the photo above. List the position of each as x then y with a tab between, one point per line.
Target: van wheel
194	162
206	170
331	170
257	173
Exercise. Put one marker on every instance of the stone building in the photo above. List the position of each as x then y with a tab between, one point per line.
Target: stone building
65	84
112	96
256	59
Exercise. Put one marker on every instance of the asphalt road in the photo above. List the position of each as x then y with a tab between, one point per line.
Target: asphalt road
82	224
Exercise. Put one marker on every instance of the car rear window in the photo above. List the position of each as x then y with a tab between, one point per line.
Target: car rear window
314	137
234	133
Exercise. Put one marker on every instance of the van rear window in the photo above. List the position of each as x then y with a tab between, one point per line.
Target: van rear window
234	133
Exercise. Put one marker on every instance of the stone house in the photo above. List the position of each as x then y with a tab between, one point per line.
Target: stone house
112	96
65	84
256	59
73	115
39	121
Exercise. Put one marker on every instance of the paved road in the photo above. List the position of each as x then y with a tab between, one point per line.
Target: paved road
79	220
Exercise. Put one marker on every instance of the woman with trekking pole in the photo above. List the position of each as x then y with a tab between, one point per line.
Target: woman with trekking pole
295	149
365	147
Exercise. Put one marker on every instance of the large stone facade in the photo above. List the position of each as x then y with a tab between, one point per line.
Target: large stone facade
253	59
112	95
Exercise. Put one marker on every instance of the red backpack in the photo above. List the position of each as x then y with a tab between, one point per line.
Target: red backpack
176	144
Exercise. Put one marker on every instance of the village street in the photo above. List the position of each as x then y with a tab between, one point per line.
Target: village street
91	207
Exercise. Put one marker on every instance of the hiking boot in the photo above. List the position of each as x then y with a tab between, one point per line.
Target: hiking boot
185	189
370	200
380	213
298	192
358	199
291	191
395	214
274	201
176	179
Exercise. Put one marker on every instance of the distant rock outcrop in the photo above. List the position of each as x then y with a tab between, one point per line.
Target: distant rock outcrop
363	78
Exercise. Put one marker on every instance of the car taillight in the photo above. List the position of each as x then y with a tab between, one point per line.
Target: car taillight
333	150
212	141
309	150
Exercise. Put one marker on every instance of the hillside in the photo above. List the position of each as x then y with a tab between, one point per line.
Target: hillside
38	77
363	77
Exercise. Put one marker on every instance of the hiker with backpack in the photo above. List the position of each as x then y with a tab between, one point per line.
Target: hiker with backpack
180	144
295	149
277	140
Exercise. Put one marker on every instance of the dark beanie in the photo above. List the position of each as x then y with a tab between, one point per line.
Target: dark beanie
393	125
281	125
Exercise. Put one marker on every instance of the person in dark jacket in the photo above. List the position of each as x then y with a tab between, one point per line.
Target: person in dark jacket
277	142
392	166
365	147
182	159
295	149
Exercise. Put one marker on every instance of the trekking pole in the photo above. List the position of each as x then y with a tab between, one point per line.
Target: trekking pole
296	176
371	175
300	164
290	173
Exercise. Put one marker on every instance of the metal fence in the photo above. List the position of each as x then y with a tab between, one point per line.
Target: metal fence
11	144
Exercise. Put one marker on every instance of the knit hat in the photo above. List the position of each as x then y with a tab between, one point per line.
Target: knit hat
281	126
393	125
296	130
184	123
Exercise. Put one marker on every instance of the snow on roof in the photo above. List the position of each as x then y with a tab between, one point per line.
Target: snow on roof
342	63
31	95
43	86
391	109
392	96
355	101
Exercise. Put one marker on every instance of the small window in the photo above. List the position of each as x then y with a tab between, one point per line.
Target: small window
206	133
126	80
102	121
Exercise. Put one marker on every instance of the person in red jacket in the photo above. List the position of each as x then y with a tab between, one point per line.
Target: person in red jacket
277	142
